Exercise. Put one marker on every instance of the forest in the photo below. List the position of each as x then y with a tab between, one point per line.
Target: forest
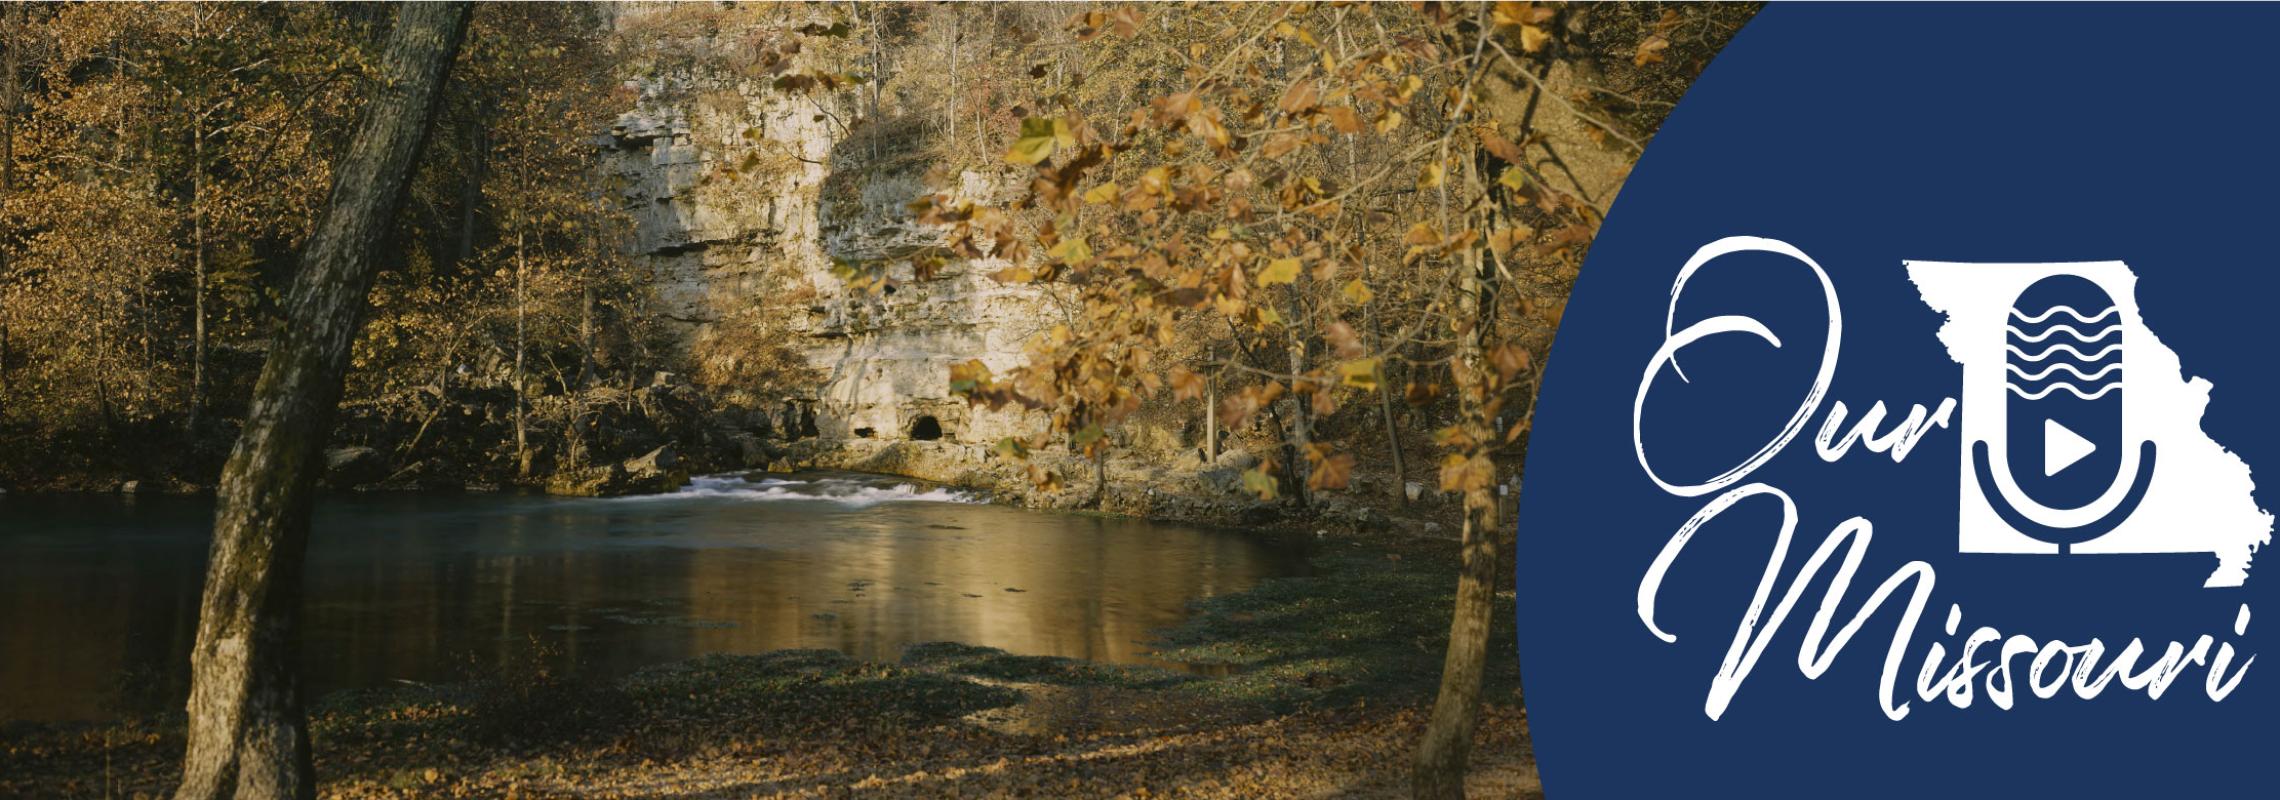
1289	267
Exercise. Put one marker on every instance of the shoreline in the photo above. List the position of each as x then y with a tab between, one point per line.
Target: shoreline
1317	682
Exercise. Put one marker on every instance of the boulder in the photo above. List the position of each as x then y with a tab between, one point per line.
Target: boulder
603	481
1236	460
662	459
655	472
354	466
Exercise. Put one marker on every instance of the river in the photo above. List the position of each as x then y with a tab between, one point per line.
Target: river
99	593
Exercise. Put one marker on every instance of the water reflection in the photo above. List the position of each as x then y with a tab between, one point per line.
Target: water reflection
98	595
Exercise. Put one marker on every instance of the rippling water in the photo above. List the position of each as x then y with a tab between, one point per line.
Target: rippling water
99	594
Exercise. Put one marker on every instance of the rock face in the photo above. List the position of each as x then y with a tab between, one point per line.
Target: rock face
749	202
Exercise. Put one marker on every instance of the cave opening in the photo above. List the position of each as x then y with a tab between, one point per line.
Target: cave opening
926	428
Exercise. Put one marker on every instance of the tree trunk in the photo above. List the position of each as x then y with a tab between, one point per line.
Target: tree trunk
442	398
1447	745
586	335
197	277
248	735
1393	445
1302	428
522	439
470	193
1211	420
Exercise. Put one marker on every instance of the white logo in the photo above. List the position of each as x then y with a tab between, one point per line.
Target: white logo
2080	432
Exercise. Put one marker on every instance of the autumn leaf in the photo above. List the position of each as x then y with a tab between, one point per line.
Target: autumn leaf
1258	482
1650	50
1281	270
1357	292
1186	385
1360	373
1072	251
967	376
1390	121
1421	235
1040	136
1509	359
1301	96
1498	146
1343	340
1011	448
1335	471
1533	38
1103	193
1512	179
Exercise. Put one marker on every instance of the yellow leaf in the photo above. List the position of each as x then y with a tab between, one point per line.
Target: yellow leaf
1532	38
1512	179
1360	373
1432	176
1101	194
1281	270
1357	292
1386	124
1257	481
1039	137
1072	250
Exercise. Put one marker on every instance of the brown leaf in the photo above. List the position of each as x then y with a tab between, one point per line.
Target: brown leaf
1509	359
1344	342
1332	472
1301	96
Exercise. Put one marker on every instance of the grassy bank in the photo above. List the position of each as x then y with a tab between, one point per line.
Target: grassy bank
1309	686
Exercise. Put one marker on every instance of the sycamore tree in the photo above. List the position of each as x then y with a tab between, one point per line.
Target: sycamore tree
1302	204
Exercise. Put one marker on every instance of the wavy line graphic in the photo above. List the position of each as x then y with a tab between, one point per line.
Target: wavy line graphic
2068	310
2070	388
2078	373
2045	353
2076	333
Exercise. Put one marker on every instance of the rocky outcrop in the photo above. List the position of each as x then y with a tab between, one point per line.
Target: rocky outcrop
746	197
655	472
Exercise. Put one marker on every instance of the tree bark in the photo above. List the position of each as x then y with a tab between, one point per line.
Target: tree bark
470	193
1447	745
1446	748
522	440
248	735
197	276
1211	420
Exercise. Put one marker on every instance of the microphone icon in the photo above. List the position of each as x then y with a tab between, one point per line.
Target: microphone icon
2063	397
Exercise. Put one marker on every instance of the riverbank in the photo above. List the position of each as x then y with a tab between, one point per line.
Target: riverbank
1179	488
1166	488
1304	686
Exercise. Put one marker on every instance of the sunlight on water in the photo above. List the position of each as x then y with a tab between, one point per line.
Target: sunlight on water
847	491
99	593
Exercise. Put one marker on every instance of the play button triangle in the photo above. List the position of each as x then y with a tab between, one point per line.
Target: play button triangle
2062	447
